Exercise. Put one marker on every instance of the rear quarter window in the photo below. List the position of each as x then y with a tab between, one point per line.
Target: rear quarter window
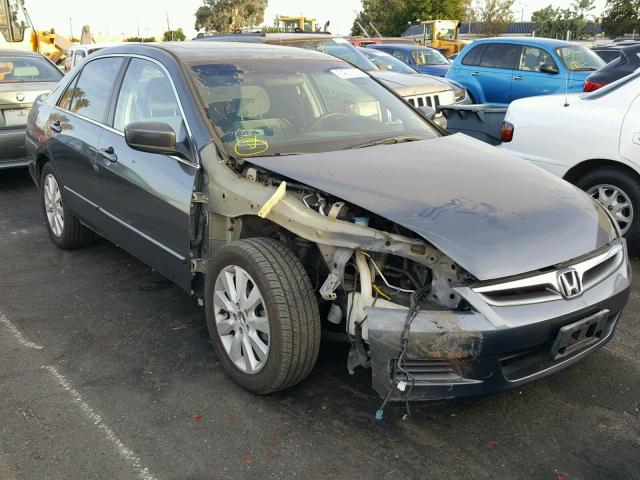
473	56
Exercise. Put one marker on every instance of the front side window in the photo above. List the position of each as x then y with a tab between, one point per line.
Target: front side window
146	95
270	107
429	56
16	69
533	59
577	58
91	95
400	55
500	55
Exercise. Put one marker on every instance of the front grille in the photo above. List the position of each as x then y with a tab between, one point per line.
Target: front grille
424	100
545	287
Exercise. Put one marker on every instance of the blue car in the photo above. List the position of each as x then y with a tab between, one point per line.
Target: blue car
423	59
500	70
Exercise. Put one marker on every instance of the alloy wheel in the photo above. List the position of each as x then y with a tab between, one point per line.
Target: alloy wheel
241	319
53	205
617	202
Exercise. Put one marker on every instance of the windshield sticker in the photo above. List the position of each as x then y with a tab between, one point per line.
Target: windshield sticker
250	132
348	73
250	146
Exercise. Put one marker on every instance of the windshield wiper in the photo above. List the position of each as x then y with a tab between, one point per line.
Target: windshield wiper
387	141
585	69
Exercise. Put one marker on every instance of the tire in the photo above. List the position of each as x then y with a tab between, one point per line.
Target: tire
629	186
67	232
288	303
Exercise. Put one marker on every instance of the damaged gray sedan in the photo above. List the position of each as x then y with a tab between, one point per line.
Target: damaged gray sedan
294	196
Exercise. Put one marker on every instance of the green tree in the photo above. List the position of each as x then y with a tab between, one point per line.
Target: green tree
174	36
555	22
495	16
621	17
392	17
229	15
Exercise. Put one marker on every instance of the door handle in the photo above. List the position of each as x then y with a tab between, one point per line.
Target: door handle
517	77
56	126
475	74
108	153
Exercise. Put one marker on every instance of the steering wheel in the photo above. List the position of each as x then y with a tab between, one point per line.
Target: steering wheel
322	118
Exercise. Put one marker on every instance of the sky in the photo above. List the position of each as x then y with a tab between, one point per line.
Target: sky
122	17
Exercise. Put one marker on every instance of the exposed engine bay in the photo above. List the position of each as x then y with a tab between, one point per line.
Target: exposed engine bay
359	260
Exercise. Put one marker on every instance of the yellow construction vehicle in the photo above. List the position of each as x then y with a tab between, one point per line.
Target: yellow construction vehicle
443	35
17	32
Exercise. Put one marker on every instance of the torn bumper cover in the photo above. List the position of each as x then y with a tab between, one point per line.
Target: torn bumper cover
488	349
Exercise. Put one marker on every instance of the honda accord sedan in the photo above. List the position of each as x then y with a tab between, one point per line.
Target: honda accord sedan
293	196
23	76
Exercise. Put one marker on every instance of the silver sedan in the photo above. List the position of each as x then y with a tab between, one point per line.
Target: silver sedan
23	77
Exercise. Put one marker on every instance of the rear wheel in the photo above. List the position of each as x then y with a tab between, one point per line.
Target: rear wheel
262	315
619	193
65	230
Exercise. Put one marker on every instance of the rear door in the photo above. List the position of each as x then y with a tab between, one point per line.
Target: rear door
146	197
494	72
529	79
75	126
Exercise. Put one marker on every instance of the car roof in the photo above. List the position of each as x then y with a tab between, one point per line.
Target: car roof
8	52
543	42
187	52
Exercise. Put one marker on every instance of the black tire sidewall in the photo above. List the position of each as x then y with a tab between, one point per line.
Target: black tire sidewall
630	186
261	381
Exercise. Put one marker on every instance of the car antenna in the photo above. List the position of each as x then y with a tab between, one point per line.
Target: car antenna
566	86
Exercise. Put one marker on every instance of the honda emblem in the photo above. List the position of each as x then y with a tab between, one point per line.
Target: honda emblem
570	283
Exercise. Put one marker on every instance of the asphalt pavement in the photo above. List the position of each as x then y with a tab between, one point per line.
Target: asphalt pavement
106	372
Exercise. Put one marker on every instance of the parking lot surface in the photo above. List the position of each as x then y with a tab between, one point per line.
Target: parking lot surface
106	372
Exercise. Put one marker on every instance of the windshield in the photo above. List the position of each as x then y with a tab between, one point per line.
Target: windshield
384	61
270	107
577	58
27	69
338	47
428	56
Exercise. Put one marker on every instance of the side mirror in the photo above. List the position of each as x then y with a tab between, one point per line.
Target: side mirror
152	137
549	69
427	112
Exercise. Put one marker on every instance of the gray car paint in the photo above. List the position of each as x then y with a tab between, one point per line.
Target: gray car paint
494	214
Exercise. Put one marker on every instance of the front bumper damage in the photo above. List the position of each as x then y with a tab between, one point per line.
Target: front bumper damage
487	349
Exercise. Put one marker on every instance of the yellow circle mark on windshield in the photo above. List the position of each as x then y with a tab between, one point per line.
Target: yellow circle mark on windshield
249	146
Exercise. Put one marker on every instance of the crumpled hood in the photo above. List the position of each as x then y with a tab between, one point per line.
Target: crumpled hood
491	212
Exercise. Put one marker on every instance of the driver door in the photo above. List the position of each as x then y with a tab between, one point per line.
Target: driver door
146	196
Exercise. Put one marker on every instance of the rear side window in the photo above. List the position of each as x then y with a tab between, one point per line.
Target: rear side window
473	57
93	90
500	55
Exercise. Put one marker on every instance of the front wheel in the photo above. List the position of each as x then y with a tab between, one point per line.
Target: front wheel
619	193
262	315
